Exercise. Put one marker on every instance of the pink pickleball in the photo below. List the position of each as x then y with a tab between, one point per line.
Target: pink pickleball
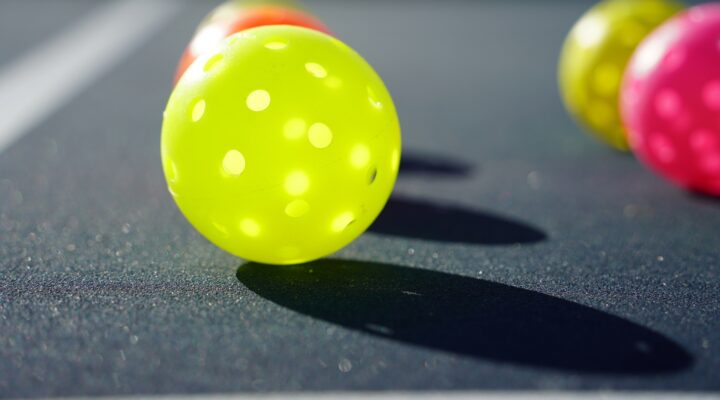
670	99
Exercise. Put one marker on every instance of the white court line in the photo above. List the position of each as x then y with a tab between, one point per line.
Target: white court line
483	395
39	82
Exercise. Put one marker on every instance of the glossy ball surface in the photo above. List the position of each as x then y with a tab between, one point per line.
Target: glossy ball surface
282	146
231	7
211	35
671	100
594	57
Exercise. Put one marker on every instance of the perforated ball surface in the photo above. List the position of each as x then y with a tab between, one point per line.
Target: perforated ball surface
281	147
594	58
671	100
211	35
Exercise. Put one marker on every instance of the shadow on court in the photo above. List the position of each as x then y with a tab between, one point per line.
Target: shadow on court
703	198
467	316
432	165
419	219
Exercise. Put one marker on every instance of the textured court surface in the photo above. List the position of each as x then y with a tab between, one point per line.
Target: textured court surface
516	253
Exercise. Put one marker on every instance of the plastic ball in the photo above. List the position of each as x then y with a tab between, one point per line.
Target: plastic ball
231	7
211	35
671	100
281	147
595	55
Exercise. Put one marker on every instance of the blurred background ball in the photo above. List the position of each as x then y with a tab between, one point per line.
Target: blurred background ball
594	57
282	146
229	8
671	100
236	17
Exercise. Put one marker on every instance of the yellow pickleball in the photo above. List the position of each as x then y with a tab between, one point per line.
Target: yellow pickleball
594	57
282	146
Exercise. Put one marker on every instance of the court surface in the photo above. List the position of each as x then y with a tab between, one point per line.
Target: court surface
517	257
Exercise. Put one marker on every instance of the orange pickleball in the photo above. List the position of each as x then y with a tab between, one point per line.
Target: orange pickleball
211	35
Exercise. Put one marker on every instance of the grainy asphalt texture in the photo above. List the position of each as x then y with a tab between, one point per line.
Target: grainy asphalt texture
516	253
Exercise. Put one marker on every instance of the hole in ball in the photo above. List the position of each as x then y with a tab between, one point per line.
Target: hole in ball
198	110
372	175
342	221
212	62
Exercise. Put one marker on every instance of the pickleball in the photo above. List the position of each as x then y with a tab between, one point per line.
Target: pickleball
594	58
282	145
671	100
231	7
238	18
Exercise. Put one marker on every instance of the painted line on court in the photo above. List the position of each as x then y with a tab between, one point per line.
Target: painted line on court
39	82
460	395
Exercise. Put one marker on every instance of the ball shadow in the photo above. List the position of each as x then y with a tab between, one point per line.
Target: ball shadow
703	197
417	219
466	316
425	164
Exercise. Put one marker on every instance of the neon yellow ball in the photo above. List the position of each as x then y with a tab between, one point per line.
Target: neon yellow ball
281	147
594	57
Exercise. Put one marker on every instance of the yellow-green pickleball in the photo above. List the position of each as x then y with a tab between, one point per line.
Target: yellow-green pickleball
594	57
282	146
